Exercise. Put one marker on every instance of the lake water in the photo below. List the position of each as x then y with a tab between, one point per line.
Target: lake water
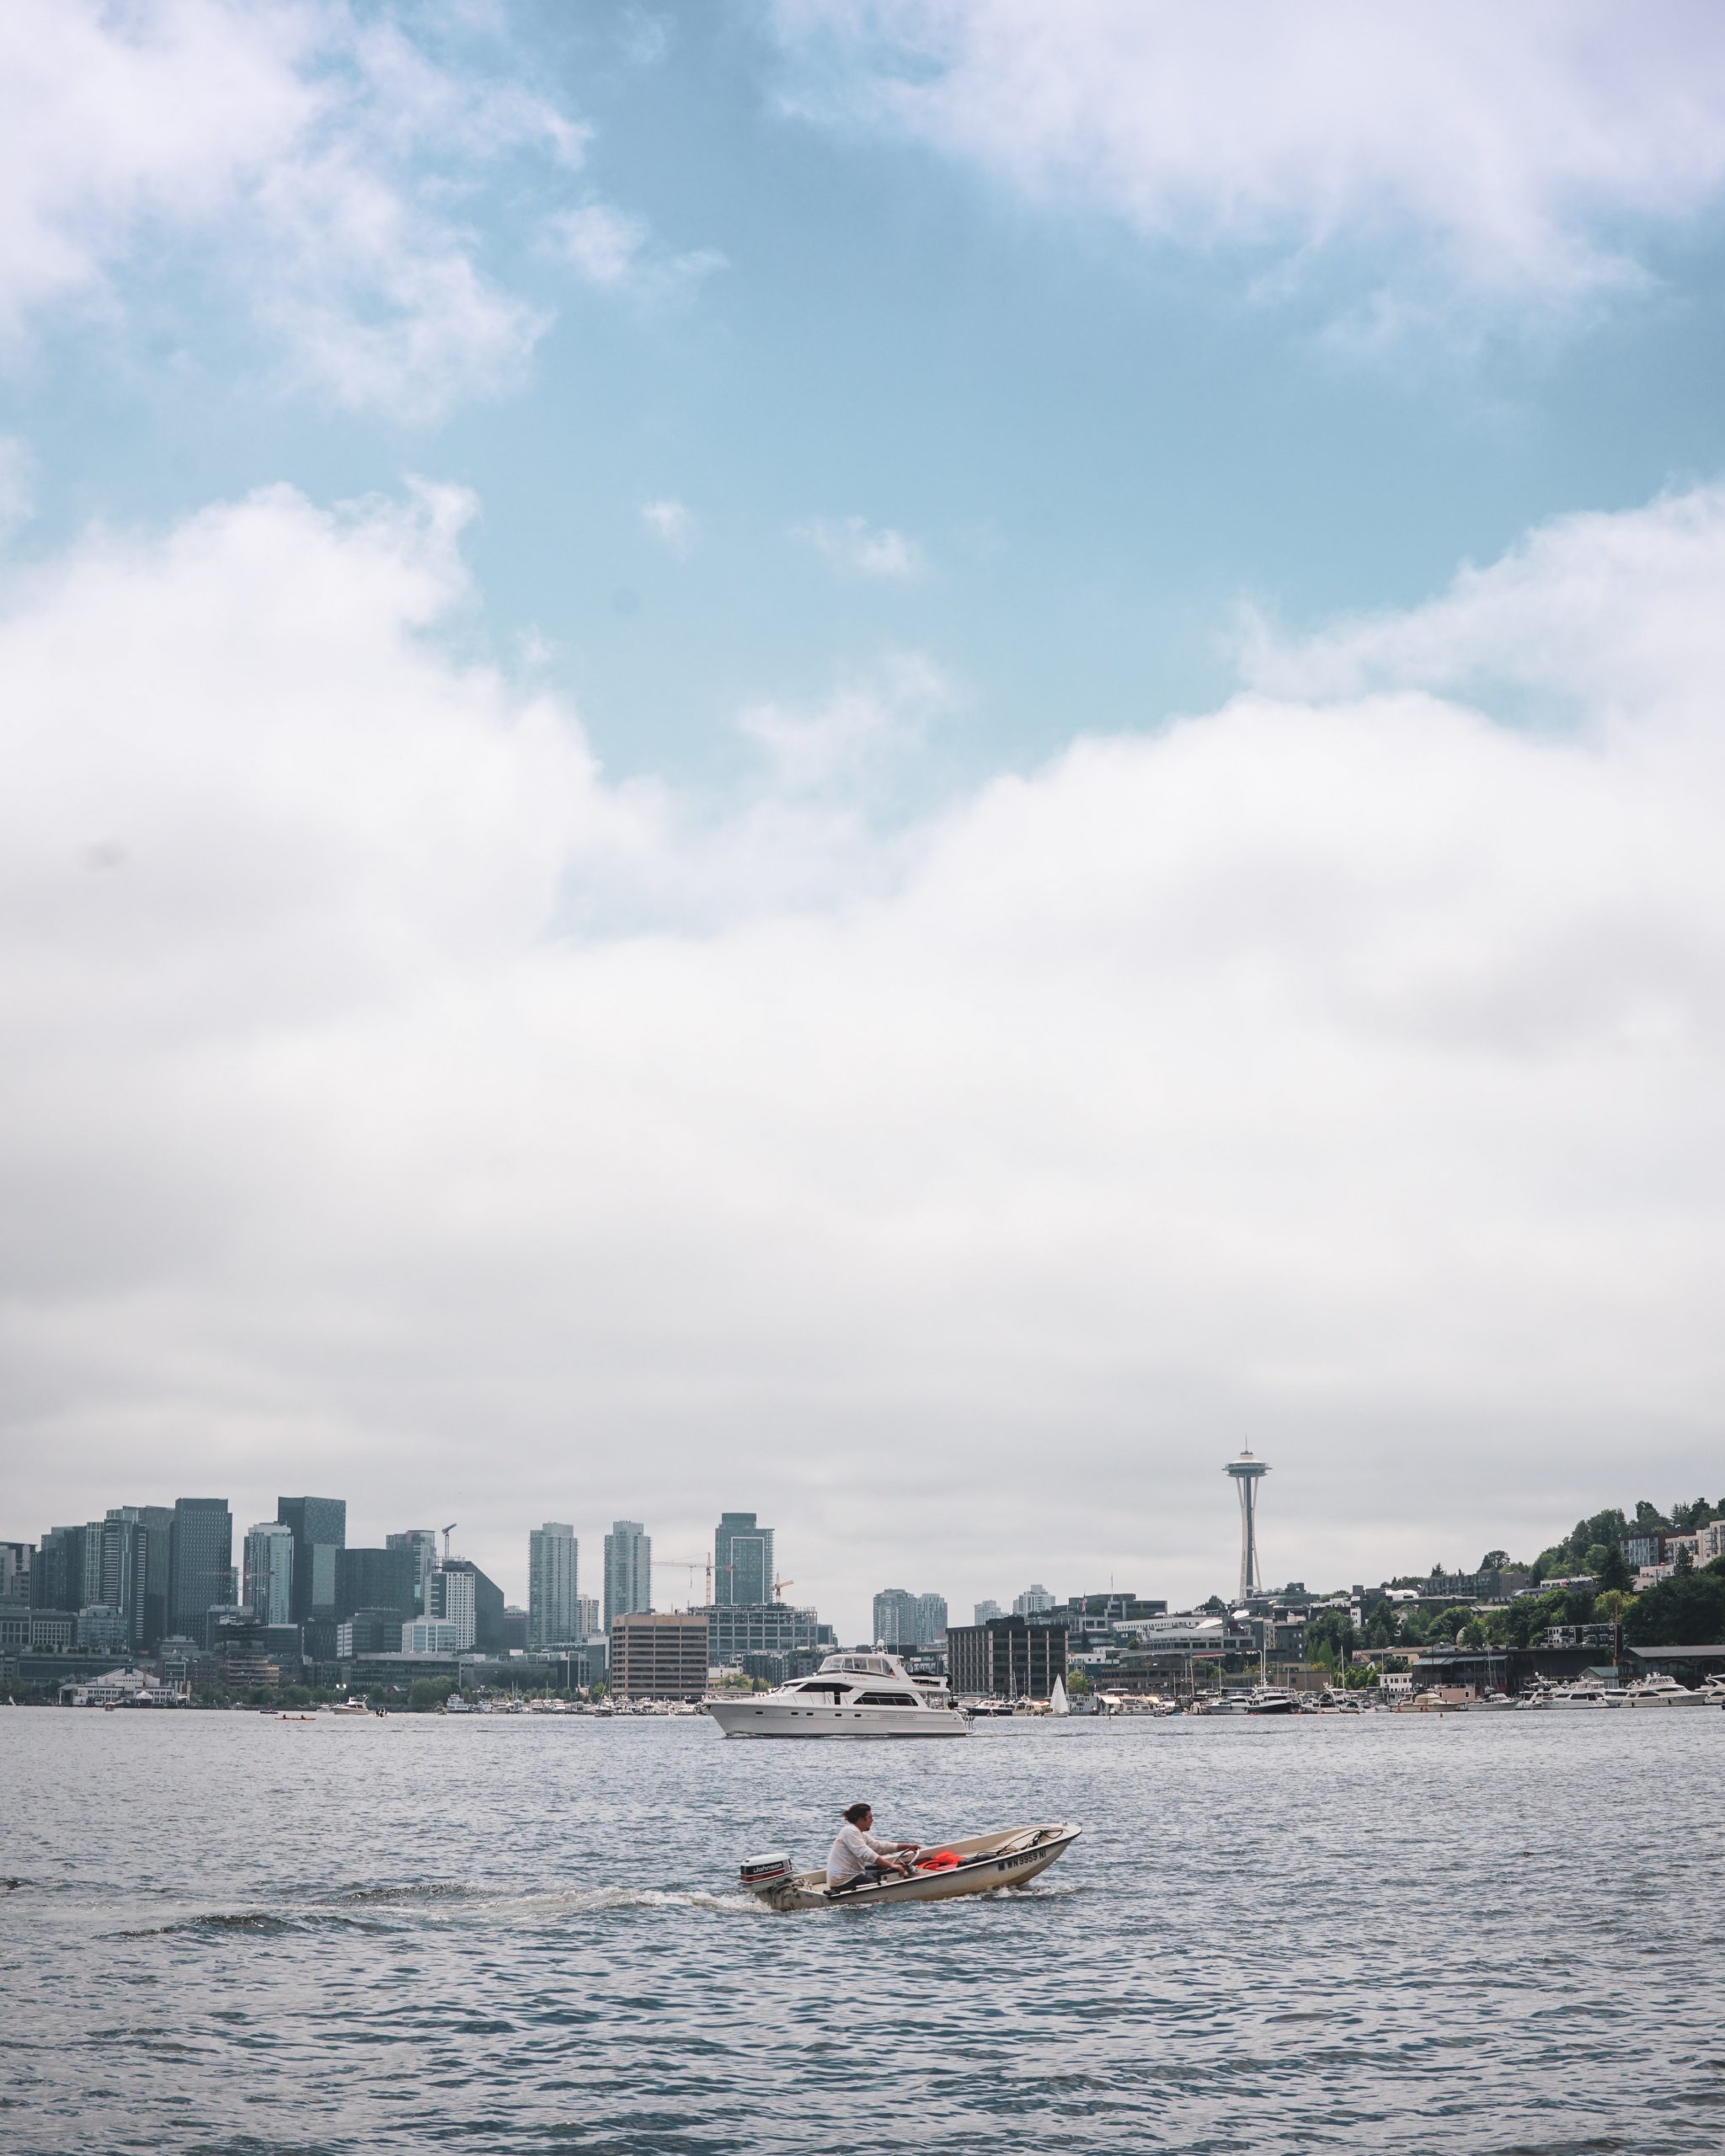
238	1935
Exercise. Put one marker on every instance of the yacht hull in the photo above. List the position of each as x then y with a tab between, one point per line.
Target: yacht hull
1012	1856
747	1717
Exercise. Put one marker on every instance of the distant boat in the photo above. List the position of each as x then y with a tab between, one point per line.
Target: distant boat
1057	1701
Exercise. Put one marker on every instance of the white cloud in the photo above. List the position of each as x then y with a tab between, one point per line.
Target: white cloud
1523	151
385	1095
672	522
615	251
854	547
856	735
312	154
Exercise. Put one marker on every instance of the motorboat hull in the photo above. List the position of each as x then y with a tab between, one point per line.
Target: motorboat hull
1011	1856
750	1717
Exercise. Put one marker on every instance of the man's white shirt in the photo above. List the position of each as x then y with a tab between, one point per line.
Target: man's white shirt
852	1853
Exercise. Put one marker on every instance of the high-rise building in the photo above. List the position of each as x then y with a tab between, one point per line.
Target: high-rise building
983	1612
16	1559
376	1579
453	1600
629	1569
552	1557
587	1616
319	1526
742	1560
121	1546
158	1522
903	1619
423	1543
268	1572
57	1575
461	1591
1033	1601
200	1564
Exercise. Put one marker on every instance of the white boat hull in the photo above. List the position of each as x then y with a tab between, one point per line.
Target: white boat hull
752	1717
1012	1856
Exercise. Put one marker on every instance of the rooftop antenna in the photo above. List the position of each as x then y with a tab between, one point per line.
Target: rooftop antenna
446	1532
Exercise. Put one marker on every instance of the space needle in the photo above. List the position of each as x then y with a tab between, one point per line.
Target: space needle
1248	1473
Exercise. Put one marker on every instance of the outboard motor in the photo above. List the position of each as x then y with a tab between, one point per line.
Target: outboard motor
766	1876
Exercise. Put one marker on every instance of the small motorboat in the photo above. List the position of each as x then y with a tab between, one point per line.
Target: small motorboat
1010	1856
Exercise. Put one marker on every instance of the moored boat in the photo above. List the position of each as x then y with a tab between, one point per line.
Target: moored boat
1008	1856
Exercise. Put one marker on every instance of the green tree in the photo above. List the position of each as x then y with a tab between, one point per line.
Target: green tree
428	1695
1077	1683
1494	1561
1614	1571
1685	1611
1610	1526
1687	1519
1648	1518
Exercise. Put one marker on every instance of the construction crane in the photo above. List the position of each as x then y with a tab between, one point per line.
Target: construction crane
779	1587
445	1532
691	1565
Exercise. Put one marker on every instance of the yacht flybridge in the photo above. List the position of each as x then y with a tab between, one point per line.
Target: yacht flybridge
851	1695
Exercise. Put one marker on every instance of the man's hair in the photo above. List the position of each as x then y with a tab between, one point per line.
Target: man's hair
857	1813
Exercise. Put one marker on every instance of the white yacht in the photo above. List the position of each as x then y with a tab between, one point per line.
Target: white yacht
1662	1690
1583	1695
851	1695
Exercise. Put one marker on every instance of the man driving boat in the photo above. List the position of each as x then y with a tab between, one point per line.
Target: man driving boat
859	1857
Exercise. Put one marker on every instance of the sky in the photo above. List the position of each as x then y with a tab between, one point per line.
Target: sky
897	761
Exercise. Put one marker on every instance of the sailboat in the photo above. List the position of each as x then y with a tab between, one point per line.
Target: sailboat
1058	1703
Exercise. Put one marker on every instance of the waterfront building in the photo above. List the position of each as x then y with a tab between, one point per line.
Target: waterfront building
983	1612
737	1630
432	1636
742	1560
320	1528
422	1541
200	1564
268	1572
903	1619
17	1624
515	1629
658	1658
1006	1658
629	1569
1248	1473
376	1579
1034	1600
553	1557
